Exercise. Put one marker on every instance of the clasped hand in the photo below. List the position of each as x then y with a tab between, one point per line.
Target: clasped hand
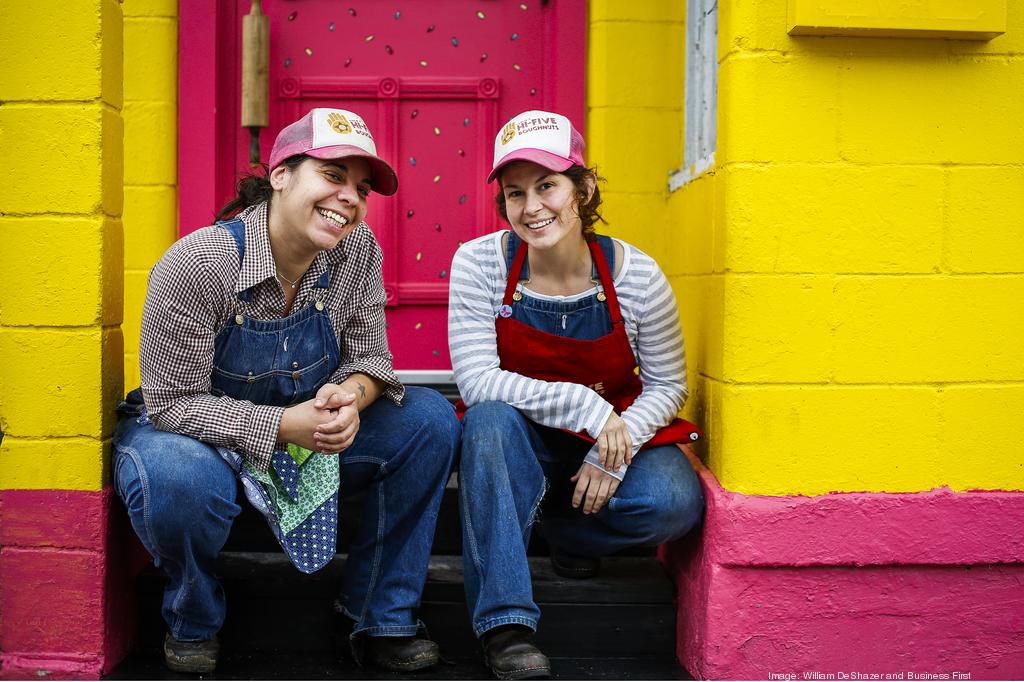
327	423
593	488
614	448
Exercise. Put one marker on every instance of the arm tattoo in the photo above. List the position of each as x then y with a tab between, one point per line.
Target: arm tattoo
362	389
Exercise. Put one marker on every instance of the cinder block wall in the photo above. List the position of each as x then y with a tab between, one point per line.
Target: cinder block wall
61	347
60	240
635	102
869	201
150	143
850	275
634	114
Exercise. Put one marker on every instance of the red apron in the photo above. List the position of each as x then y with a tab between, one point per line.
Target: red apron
606	365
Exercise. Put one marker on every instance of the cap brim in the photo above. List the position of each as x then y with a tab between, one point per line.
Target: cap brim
384	180
538	156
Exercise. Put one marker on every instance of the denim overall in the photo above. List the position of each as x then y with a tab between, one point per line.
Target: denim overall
297	354
181	493
508	464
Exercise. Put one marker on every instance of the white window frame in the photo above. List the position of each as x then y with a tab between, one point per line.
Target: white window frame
699	123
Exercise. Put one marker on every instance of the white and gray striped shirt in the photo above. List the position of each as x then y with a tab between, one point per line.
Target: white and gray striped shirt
478	277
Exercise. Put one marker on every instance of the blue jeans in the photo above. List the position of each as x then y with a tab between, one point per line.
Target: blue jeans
182	497
506	464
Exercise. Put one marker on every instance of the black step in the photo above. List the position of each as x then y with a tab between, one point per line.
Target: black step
627	611
326	666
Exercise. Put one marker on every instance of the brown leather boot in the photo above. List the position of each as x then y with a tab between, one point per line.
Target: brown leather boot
191	657
402	654
510	653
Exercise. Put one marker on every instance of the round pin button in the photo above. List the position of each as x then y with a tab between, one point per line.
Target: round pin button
239	319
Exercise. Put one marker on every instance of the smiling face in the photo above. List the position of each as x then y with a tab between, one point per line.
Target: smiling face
320	202
540	205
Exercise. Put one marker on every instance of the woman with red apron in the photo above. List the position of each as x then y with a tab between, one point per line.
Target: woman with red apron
567	350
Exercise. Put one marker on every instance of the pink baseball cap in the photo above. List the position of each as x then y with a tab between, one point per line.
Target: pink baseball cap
543	137
333	134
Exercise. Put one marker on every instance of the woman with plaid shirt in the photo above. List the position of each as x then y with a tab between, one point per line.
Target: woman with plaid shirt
268	330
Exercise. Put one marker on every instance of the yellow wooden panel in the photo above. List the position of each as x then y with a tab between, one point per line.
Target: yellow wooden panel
965	19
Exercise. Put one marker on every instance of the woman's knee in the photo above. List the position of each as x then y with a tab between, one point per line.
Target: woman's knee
676	515
177	490
492	420
496	446
668	503
432	418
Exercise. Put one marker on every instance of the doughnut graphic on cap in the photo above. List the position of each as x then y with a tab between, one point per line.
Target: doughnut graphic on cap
508	133
339	123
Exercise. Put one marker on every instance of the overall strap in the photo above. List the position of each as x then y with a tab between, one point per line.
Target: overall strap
511	245
514	270
606	281
236	228
608	247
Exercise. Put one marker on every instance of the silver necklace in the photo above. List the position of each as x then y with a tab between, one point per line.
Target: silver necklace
294	283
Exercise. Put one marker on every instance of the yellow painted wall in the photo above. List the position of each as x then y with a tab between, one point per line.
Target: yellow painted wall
634	114
61	247
851	275
150	143
634	130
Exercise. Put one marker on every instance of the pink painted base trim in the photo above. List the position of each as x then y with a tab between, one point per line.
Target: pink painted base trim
870	583
15	667
67	563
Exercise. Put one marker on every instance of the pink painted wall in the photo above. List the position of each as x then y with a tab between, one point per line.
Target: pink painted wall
66	584
855	582
432	80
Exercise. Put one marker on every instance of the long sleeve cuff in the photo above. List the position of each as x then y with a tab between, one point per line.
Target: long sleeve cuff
592	458
259	444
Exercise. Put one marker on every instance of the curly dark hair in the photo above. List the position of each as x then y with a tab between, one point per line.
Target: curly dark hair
254	188
585	208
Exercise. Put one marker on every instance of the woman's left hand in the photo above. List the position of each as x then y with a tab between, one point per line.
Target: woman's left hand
593	488
337	434
614	444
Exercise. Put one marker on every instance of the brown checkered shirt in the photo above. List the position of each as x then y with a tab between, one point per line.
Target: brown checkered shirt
193	292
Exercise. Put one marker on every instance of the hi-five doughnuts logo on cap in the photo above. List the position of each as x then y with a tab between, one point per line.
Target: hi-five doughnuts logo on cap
531	125
508	132
339	123
531	135
338	126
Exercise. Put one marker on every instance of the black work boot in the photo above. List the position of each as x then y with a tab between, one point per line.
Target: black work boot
510	653
570	565
191	657
402	654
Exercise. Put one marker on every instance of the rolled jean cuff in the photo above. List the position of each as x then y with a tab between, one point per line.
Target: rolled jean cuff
480	628
382	630
387	631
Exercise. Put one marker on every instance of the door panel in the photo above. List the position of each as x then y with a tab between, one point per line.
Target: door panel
433	79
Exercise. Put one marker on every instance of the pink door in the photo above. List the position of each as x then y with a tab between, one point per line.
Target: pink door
432	78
